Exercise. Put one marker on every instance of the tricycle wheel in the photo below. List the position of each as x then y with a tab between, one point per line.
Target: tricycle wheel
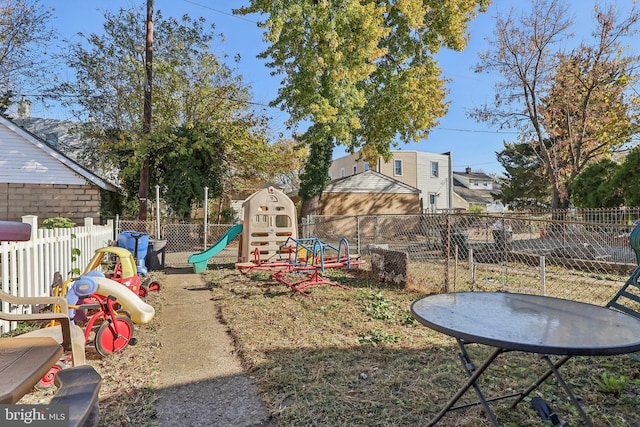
47	380
154	286
142	291
113	336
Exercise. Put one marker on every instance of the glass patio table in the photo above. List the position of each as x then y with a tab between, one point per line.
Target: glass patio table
525	323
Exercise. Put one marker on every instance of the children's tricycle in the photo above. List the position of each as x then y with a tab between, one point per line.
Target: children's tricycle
112	331
121	267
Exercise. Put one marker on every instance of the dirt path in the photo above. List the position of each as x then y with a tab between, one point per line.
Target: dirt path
201	381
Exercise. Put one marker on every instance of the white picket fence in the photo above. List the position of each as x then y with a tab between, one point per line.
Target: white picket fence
27	268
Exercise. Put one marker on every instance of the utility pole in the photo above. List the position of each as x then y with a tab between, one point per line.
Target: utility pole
143	190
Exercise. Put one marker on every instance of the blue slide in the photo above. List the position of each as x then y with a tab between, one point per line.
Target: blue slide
200	260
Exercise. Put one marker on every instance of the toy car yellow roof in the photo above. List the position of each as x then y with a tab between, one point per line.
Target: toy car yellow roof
116	250
127	262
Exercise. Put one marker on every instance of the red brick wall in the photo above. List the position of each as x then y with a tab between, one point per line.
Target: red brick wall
49	200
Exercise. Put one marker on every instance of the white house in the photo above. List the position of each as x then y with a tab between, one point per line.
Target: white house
37	179
476	189
428	172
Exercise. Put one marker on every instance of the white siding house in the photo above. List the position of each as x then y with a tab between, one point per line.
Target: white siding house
475	190
36	179
430	173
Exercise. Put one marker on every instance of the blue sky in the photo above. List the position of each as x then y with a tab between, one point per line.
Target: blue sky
472	144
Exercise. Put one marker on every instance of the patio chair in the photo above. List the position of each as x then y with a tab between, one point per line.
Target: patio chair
70	336
627	299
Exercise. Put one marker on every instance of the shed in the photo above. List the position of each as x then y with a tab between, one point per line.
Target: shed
37	179
369	193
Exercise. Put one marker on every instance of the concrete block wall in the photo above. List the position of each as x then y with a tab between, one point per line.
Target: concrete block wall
391	267
75	202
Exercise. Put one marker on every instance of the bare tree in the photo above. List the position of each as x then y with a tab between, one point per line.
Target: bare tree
571	106
24	35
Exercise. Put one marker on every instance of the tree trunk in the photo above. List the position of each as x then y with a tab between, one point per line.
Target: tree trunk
555	198
309	206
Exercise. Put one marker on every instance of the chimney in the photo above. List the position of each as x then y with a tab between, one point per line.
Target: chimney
24	108
467	170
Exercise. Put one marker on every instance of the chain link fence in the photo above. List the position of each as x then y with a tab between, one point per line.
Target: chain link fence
580	260
581	255
180	239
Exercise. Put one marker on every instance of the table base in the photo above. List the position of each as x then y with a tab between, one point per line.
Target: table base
475	373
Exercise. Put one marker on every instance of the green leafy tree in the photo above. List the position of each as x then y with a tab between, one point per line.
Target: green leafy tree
190	158
627	178
578	99
362	73
203	126
594	187
523	185
289	157
25	34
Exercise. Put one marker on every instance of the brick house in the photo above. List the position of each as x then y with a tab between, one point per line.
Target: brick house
37	179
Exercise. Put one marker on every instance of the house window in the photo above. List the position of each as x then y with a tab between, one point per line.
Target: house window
366	166
342	173
397	168
433	201
355	169
434	169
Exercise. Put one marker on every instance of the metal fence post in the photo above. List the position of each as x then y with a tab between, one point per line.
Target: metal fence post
447	249
543	274
472	269
206	215
358	233
158	236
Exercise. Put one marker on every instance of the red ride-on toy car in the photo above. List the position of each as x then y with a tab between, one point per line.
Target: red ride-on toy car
118	264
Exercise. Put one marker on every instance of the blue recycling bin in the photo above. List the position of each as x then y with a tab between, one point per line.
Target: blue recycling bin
127	240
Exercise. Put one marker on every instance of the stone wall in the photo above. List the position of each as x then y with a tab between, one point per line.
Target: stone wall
75	202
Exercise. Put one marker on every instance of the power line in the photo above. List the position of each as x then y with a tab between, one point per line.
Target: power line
476	130
221	12
260	104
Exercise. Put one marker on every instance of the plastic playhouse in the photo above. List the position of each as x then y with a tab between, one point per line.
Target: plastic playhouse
269	221
269	242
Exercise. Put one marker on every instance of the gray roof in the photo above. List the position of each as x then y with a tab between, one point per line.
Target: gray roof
369	182
473	175
472	196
